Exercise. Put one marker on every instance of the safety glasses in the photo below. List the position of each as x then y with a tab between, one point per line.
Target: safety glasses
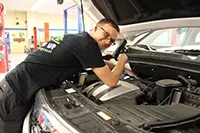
107	35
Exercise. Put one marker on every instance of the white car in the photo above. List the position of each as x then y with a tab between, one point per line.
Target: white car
166	96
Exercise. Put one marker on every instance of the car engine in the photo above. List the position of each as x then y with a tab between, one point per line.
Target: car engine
148	103
154	102
147	92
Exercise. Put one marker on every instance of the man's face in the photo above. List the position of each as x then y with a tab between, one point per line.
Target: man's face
105	35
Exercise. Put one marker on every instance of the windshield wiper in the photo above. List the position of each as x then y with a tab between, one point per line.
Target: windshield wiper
192	52
144	46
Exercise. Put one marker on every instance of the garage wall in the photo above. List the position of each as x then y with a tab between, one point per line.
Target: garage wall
16	26
28	20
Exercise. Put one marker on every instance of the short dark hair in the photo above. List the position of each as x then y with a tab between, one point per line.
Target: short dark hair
109	21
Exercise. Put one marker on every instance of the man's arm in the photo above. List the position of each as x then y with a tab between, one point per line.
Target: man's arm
127	70
111	77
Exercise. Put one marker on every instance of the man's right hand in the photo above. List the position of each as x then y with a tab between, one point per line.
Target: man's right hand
122	58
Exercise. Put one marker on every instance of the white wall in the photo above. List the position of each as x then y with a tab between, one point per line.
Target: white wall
16	31
28	20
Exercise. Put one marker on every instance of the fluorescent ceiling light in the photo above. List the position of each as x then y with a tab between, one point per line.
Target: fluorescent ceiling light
37	4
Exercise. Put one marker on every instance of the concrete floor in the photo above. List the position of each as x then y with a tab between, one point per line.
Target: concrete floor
15	59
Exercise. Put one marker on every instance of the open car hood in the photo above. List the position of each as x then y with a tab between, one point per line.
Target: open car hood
134	15
134	11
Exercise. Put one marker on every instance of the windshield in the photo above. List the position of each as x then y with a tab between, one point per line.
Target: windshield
184	41
165	38
174	38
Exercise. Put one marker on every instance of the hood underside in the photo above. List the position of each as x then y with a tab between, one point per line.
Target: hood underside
136	11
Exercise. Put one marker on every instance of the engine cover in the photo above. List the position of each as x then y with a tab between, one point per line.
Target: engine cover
103	92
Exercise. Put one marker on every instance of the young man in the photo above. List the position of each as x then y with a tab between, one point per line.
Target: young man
54	62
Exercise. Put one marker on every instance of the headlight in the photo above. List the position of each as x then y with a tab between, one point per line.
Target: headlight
45	119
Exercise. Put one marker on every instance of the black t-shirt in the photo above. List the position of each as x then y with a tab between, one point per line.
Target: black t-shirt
54	62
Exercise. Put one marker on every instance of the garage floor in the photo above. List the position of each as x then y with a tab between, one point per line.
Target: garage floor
15	59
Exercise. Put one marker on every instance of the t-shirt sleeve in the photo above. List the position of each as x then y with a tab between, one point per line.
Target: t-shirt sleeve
87	53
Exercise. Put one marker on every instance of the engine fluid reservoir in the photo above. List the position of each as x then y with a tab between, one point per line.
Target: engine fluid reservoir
164	88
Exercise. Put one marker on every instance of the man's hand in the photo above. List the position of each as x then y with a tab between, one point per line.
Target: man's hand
123	58
131	73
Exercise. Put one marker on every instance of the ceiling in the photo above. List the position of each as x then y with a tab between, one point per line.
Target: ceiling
42	6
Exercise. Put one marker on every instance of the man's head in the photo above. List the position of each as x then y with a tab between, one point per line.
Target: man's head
105	33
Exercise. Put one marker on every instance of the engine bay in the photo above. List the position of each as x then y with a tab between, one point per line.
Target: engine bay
162	103
148	91
161	100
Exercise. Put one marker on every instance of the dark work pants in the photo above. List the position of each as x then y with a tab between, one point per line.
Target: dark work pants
12	110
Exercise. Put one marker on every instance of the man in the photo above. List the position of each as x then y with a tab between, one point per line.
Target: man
54	62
